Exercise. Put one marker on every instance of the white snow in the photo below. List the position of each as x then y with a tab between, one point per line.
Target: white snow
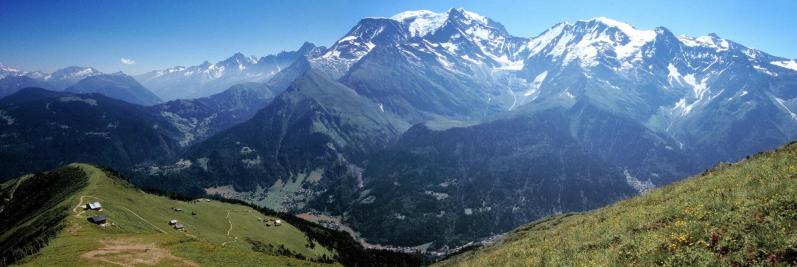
739	95
637	38
781	103
697	87
381	107
789	64
535	85
683	107
347	38
560	41
673	73
717	44
450	47
765	70
537	44
421	22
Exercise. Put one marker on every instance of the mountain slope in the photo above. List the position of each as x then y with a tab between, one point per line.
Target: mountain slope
197	119
733	214
472	182
119	86
12	84
138	230
315	123
643	108
63	78
41	129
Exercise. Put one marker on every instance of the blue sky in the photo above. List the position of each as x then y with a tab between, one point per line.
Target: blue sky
47	35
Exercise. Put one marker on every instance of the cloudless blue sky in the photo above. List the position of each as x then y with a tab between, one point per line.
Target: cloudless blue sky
47	35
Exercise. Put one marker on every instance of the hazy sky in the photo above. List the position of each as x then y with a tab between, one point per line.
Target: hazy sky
138	36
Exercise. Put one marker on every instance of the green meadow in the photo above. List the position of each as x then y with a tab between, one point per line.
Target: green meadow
137	231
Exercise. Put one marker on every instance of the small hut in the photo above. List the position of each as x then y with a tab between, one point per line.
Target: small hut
172	222
277	222
179	226
99	219
94	206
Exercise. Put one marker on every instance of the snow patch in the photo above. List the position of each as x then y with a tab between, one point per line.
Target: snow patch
421	22
765	70
697	87
781	103
788	64
718	44
537	83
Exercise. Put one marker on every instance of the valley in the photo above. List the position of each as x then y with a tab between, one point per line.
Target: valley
137	228
411	138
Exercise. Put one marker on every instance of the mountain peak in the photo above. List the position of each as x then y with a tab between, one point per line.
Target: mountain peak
468	16
306	46
423	22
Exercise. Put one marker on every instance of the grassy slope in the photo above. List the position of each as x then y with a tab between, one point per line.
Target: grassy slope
739	214
205	242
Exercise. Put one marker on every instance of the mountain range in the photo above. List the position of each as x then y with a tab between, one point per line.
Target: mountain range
436	129
210	78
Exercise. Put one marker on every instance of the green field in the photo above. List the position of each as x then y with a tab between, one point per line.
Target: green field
138	233
742	214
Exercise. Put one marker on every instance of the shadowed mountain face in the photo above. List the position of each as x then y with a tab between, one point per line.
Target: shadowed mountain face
315	122
42	129
444	128
119	86
12	84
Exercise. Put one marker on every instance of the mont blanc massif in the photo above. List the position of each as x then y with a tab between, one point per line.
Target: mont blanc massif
427	133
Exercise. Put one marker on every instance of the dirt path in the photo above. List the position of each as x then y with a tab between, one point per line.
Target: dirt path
230	222
229	230
132	252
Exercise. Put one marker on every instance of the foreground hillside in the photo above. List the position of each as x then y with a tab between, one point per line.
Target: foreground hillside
735	214
44	222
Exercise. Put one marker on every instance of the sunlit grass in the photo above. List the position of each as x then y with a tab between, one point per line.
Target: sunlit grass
741	214
135	215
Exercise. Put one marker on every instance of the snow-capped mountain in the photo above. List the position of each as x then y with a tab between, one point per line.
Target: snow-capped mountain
584	113
449	37
63	78
444	127
210	78
6	71
13	79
